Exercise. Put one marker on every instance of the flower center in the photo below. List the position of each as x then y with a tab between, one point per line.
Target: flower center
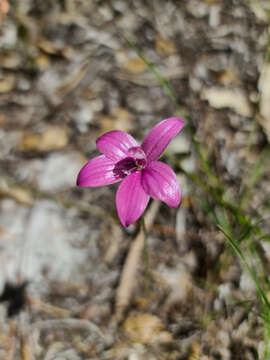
139	156
136	162
124	167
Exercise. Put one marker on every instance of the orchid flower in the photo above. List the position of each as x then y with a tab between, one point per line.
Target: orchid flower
137	167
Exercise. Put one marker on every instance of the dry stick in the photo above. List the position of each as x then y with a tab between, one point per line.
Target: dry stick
127	281
24	335
26	352
11	343
48	309
68	323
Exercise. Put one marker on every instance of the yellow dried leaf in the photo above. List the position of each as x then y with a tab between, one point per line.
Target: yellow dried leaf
21	195
47	46
164	46
145	328
29	142
121	119
141	303
54	137
9	60
42	61
227	77
135	66
7	83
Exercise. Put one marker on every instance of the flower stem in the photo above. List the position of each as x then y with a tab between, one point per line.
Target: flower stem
147	277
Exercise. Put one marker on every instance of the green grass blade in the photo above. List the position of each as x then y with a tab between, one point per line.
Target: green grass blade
251	272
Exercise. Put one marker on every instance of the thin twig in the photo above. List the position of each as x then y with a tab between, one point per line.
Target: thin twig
25	336
11	343
69	323
48	309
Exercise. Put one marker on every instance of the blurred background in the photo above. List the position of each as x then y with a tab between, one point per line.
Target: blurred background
67	75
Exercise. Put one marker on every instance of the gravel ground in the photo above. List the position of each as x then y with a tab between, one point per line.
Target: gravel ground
66	76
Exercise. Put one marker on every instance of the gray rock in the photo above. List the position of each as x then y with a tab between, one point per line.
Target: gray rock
60	171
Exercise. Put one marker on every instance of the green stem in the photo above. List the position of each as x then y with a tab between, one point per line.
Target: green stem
251	272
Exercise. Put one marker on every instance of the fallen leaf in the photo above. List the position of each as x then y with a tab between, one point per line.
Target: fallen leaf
42	61
135	66
7	83
145	328
52	138
121	119
164	46
234	99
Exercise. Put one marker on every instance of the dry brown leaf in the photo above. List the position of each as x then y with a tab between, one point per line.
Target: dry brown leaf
227	77
10	346
52	138
47	46
48	309
21	195
195	351
29	142
7	83
135	66
3	120
164	46
42	61
18	193
121	119
234	99
9	60
26	353
145	329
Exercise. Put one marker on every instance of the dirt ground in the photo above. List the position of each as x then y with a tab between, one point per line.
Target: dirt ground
67	75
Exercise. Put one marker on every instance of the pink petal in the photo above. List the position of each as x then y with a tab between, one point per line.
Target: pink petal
159	181
131	199
115	144
159	137
98	172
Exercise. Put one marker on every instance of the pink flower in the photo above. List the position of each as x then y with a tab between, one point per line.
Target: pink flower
136	166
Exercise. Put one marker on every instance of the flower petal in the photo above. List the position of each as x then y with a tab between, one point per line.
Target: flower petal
115	144
131	199
159	181
98	172
159	137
